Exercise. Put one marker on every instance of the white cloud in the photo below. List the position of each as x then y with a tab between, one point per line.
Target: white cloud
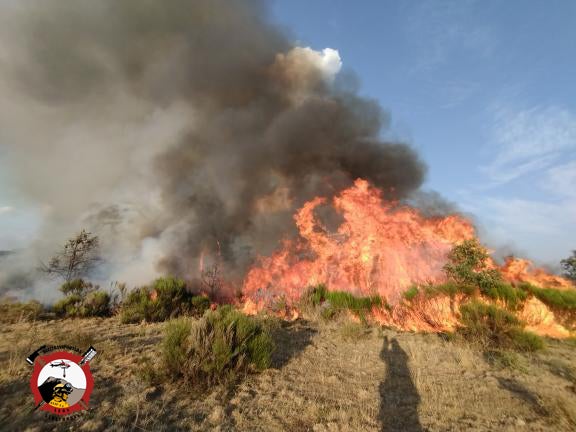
529	140
544	229
6	209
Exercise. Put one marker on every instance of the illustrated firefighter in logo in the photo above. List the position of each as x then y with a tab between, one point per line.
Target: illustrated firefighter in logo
61	381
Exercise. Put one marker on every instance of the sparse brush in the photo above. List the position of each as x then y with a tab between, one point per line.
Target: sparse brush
216	348
12	312
494	328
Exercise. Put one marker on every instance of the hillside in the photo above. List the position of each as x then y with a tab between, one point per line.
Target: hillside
334	376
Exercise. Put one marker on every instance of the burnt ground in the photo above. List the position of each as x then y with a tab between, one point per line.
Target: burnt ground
326	377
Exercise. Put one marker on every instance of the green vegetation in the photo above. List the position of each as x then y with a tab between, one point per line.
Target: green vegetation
219	347
564	300
411	293
494	328
82	299
12	311
468	265
333	302
167	298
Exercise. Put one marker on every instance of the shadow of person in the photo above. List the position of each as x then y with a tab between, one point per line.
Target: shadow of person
399	398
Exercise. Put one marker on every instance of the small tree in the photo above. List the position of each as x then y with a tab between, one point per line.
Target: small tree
569	266
468	265
76	259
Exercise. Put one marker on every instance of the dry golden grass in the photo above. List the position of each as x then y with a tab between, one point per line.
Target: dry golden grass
334	376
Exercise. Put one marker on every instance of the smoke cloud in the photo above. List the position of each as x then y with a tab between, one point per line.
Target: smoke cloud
179	129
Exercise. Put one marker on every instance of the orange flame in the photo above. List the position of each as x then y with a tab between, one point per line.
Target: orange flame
521	270
380	248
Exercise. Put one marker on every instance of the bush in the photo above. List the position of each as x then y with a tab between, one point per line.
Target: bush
167	298
82	300
68	307
12	312
95	304
216	348
494	328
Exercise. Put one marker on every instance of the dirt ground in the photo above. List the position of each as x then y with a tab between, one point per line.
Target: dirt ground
326	377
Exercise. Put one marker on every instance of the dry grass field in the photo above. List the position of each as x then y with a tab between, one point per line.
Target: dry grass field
336	376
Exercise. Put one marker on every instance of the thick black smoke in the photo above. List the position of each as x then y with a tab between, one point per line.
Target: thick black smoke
183	127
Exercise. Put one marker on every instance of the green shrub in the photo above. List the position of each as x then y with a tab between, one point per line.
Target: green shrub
166	298
494	328
136	305
96	304
12	312
174	345
468	265
69	306
216	348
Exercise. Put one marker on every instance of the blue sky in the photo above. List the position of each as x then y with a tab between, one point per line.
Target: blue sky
484	90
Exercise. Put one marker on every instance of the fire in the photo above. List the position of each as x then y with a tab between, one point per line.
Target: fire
521	270
379	248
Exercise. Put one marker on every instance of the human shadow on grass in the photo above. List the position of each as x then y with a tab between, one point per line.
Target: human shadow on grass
399	397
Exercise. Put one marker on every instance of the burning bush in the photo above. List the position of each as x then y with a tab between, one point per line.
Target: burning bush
493	328
216	348
166	298
83	299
